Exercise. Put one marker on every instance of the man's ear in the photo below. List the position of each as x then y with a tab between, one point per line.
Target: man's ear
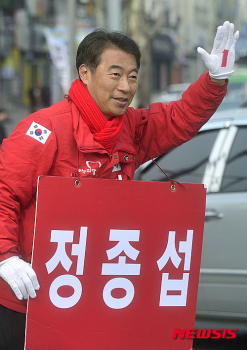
83	73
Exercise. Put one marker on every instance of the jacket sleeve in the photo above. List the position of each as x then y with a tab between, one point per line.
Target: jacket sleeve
23	159
168	126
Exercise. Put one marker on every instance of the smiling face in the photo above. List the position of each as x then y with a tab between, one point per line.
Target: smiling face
114	83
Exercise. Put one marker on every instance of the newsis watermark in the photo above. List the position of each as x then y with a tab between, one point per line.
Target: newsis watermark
205	333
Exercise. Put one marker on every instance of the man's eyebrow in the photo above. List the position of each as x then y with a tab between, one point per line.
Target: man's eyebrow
114	66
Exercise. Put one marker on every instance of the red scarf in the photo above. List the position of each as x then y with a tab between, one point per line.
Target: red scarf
105	132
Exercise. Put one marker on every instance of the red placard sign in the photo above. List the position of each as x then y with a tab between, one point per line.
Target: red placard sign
118	264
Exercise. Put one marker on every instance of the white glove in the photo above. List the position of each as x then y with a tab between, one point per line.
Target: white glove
20	276
221	61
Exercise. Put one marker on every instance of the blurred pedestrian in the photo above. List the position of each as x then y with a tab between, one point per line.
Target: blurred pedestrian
34	95
45	96
93	123
3	116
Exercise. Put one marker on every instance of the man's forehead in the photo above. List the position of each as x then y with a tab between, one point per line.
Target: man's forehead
116	58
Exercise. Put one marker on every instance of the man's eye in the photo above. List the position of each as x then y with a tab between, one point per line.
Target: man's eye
133	77
115	74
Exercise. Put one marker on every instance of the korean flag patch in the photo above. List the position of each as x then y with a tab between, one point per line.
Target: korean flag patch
38	132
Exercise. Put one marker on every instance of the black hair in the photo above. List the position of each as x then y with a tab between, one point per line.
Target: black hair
92	46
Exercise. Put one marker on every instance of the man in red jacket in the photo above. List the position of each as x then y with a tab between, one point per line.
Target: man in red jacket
92	133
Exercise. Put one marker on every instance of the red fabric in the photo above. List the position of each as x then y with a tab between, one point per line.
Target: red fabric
105	132
23	159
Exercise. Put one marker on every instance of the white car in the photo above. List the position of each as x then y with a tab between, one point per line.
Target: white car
217	157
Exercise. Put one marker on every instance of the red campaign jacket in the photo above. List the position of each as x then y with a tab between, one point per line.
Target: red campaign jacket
68	149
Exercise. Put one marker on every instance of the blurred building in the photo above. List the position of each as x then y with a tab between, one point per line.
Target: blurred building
28	75
24	57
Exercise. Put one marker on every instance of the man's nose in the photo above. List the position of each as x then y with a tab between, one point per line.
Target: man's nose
123	84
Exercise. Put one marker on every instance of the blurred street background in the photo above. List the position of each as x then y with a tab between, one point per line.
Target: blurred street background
39	39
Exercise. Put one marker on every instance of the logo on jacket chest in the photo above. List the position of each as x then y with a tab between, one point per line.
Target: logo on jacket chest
91	167
116	167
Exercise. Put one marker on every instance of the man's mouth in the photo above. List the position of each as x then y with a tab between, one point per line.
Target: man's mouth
121	101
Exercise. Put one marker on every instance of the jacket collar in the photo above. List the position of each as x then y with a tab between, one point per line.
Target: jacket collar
85	141
82	134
